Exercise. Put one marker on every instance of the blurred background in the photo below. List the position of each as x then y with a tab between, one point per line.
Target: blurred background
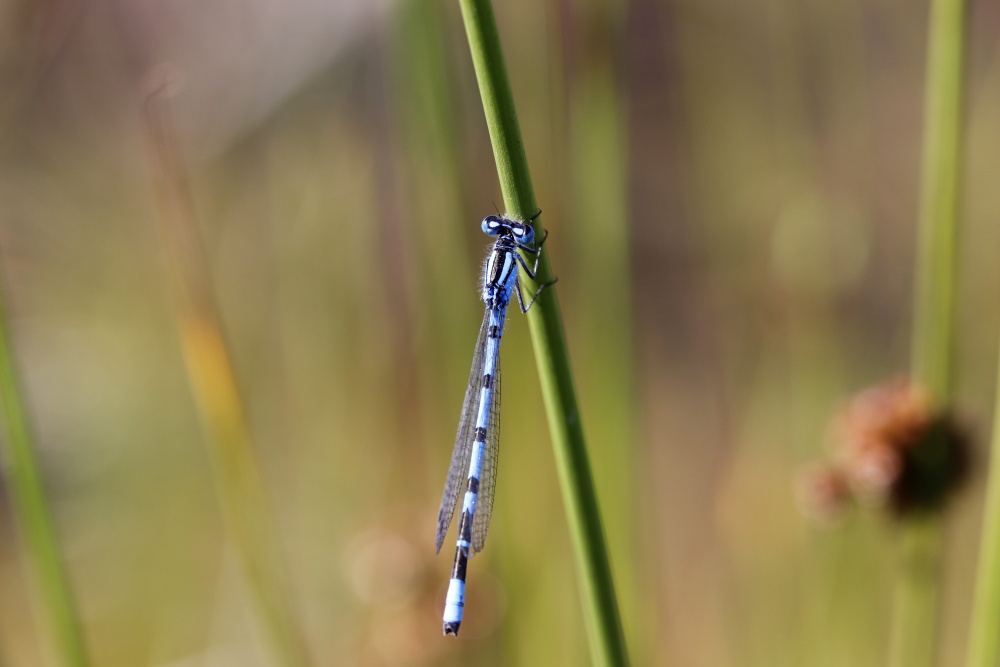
731	192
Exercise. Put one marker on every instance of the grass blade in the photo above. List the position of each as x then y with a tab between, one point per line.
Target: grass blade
576	479
984	637
34	520
915	617
217	395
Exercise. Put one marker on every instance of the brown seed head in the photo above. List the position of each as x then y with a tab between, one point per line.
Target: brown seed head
895	448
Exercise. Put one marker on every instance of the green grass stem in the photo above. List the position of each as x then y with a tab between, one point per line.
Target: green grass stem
575	476
934	317
984	634
913	641
34	520
212	377
915	617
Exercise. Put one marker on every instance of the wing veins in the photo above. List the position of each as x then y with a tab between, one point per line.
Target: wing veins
458	470
487	480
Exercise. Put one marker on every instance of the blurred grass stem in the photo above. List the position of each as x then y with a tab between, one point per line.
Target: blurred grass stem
984	635
576	479
914	632
915	618
34	520
934	321
238	478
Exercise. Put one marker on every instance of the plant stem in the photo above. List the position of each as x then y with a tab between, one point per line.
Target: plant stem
33	517
576	480
984	637
213	381
934	321
915	631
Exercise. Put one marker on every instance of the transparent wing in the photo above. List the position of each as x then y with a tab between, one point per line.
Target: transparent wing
487	481
458	471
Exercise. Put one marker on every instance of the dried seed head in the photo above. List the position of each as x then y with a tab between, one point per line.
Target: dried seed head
895	449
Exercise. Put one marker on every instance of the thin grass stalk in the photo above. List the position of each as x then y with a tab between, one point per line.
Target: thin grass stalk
934	316
916	625
237	473
34	521
984	632
596	149
607	644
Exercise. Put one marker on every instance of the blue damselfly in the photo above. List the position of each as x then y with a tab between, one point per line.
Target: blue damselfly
474	461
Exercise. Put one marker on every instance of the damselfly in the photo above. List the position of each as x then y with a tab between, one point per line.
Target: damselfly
474	461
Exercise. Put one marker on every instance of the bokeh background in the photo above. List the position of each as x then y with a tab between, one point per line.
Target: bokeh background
731	191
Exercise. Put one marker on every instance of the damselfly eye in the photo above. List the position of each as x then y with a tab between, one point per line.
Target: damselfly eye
493	225
524	233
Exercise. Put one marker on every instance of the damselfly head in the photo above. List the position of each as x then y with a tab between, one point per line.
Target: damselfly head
495	225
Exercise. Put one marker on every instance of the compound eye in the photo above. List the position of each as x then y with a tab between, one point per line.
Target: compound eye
492	225
524	234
